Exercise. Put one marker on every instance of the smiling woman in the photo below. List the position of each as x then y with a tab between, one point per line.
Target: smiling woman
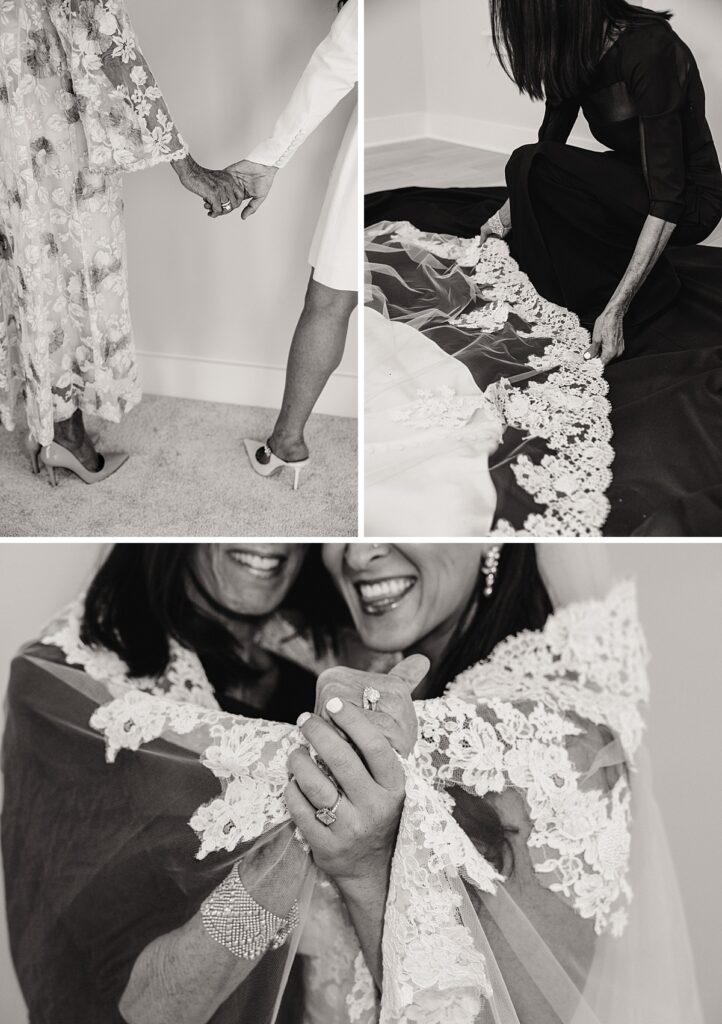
435	599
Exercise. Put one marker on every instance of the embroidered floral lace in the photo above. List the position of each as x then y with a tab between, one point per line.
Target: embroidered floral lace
78	106
543	387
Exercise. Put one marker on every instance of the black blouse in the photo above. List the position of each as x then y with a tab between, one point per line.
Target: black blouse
646	102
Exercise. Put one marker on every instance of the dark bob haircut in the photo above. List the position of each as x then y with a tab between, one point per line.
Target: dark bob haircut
142	595
551	48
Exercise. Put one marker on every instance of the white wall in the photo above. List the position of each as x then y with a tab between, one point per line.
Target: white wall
468	98
681	606
215	302
395	70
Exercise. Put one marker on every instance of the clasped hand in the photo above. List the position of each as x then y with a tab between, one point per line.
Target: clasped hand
224	191
359	749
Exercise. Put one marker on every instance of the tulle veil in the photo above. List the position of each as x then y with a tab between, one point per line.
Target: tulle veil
124	770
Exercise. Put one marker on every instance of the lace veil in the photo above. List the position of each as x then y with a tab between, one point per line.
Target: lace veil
471	374
132	799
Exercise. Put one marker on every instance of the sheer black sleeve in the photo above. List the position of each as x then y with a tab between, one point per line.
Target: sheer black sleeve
559	121
657	80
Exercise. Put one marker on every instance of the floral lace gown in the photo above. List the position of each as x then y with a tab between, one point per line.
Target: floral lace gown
78	106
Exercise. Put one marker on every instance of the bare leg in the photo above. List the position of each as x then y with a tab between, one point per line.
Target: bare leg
316	350
71	435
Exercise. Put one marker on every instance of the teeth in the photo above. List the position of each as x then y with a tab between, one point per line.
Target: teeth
384	589
261	563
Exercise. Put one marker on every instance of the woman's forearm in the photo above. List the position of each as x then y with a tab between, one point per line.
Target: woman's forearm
652	242
366	904
182	978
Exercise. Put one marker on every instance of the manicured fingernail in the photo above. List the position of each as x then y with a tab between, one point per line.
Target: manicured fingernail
334	705
302	719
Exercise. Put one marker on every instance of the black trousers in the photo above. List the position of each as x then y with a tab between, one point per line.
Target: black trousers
576	220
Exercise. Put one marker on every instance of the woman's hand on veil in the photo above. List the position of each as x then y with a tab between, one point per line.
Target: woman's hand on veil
256	181
497	226
394	714
221	192
354	844
368	781
607	336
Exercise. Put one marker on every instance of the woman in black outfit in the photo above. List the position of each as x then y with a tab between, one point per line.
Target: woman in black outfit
590	228
613	237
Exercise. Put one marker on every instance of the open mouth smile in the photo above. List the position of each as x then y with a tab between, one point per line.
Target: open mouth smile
263	567
380	596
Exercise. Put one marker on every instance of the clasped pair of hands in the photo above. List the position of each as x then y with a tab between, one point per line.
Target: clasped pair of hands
361	749
225	191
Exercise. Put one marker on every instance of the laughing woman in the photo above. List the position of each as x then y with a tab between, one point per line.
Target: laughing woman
590	229
79	106
194	623
530	723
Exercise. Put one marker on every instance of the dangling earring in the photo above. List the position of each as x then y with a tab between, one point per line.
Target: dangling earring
490	567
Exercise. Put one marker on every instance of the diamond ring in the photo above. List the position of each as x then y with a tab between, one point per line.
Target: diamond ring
226	207
327	815
371	697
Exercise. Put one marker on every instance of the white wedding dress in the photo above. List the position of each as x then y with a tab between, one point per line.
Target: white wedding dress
429	431
330	75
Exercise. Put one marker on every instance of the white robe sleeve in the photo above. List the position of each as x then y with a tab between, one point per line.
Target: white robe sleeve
331	73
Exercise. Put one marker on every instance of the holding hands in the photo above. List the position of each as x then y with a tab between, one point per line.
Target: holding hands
221	192
359	749
224	191
256	181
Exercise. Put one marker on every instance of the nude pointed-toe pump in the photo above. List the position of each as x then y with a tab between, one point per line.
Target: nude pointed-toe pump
265	463
55	457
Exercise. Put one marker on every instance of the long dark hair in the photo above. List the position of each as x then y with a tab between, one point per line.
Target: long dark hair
551	48
142	595
519	601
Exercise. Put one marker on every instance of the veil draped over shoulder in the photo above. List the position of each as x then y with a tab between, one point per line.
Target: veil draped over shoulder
128	801
474	379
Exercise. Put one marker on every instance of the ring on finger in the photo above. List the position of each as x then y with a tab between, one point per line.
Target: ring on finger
327	815
371	697
226	207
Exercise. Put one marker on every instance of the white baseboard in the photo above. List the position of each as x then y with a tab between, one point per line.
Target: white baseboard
380	131
235	383
493	136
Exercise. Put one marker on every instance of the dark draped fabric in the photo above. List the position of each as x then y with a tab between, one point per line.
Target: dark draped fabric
665	392
99	858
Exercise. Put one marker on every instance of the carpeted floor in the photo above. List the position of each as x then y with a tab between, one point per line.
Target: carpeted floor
187	476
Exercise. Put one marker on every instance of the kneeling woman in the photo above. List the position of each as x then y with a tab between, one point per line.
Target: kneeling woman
590	228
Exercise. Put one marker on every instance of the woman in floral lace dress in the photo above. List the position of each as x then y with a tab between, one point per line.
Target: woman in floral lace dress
78	107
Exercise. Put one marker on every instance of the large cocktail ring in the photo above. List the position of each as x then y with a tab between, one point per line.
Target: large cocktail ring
327	815
371	697
226	207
